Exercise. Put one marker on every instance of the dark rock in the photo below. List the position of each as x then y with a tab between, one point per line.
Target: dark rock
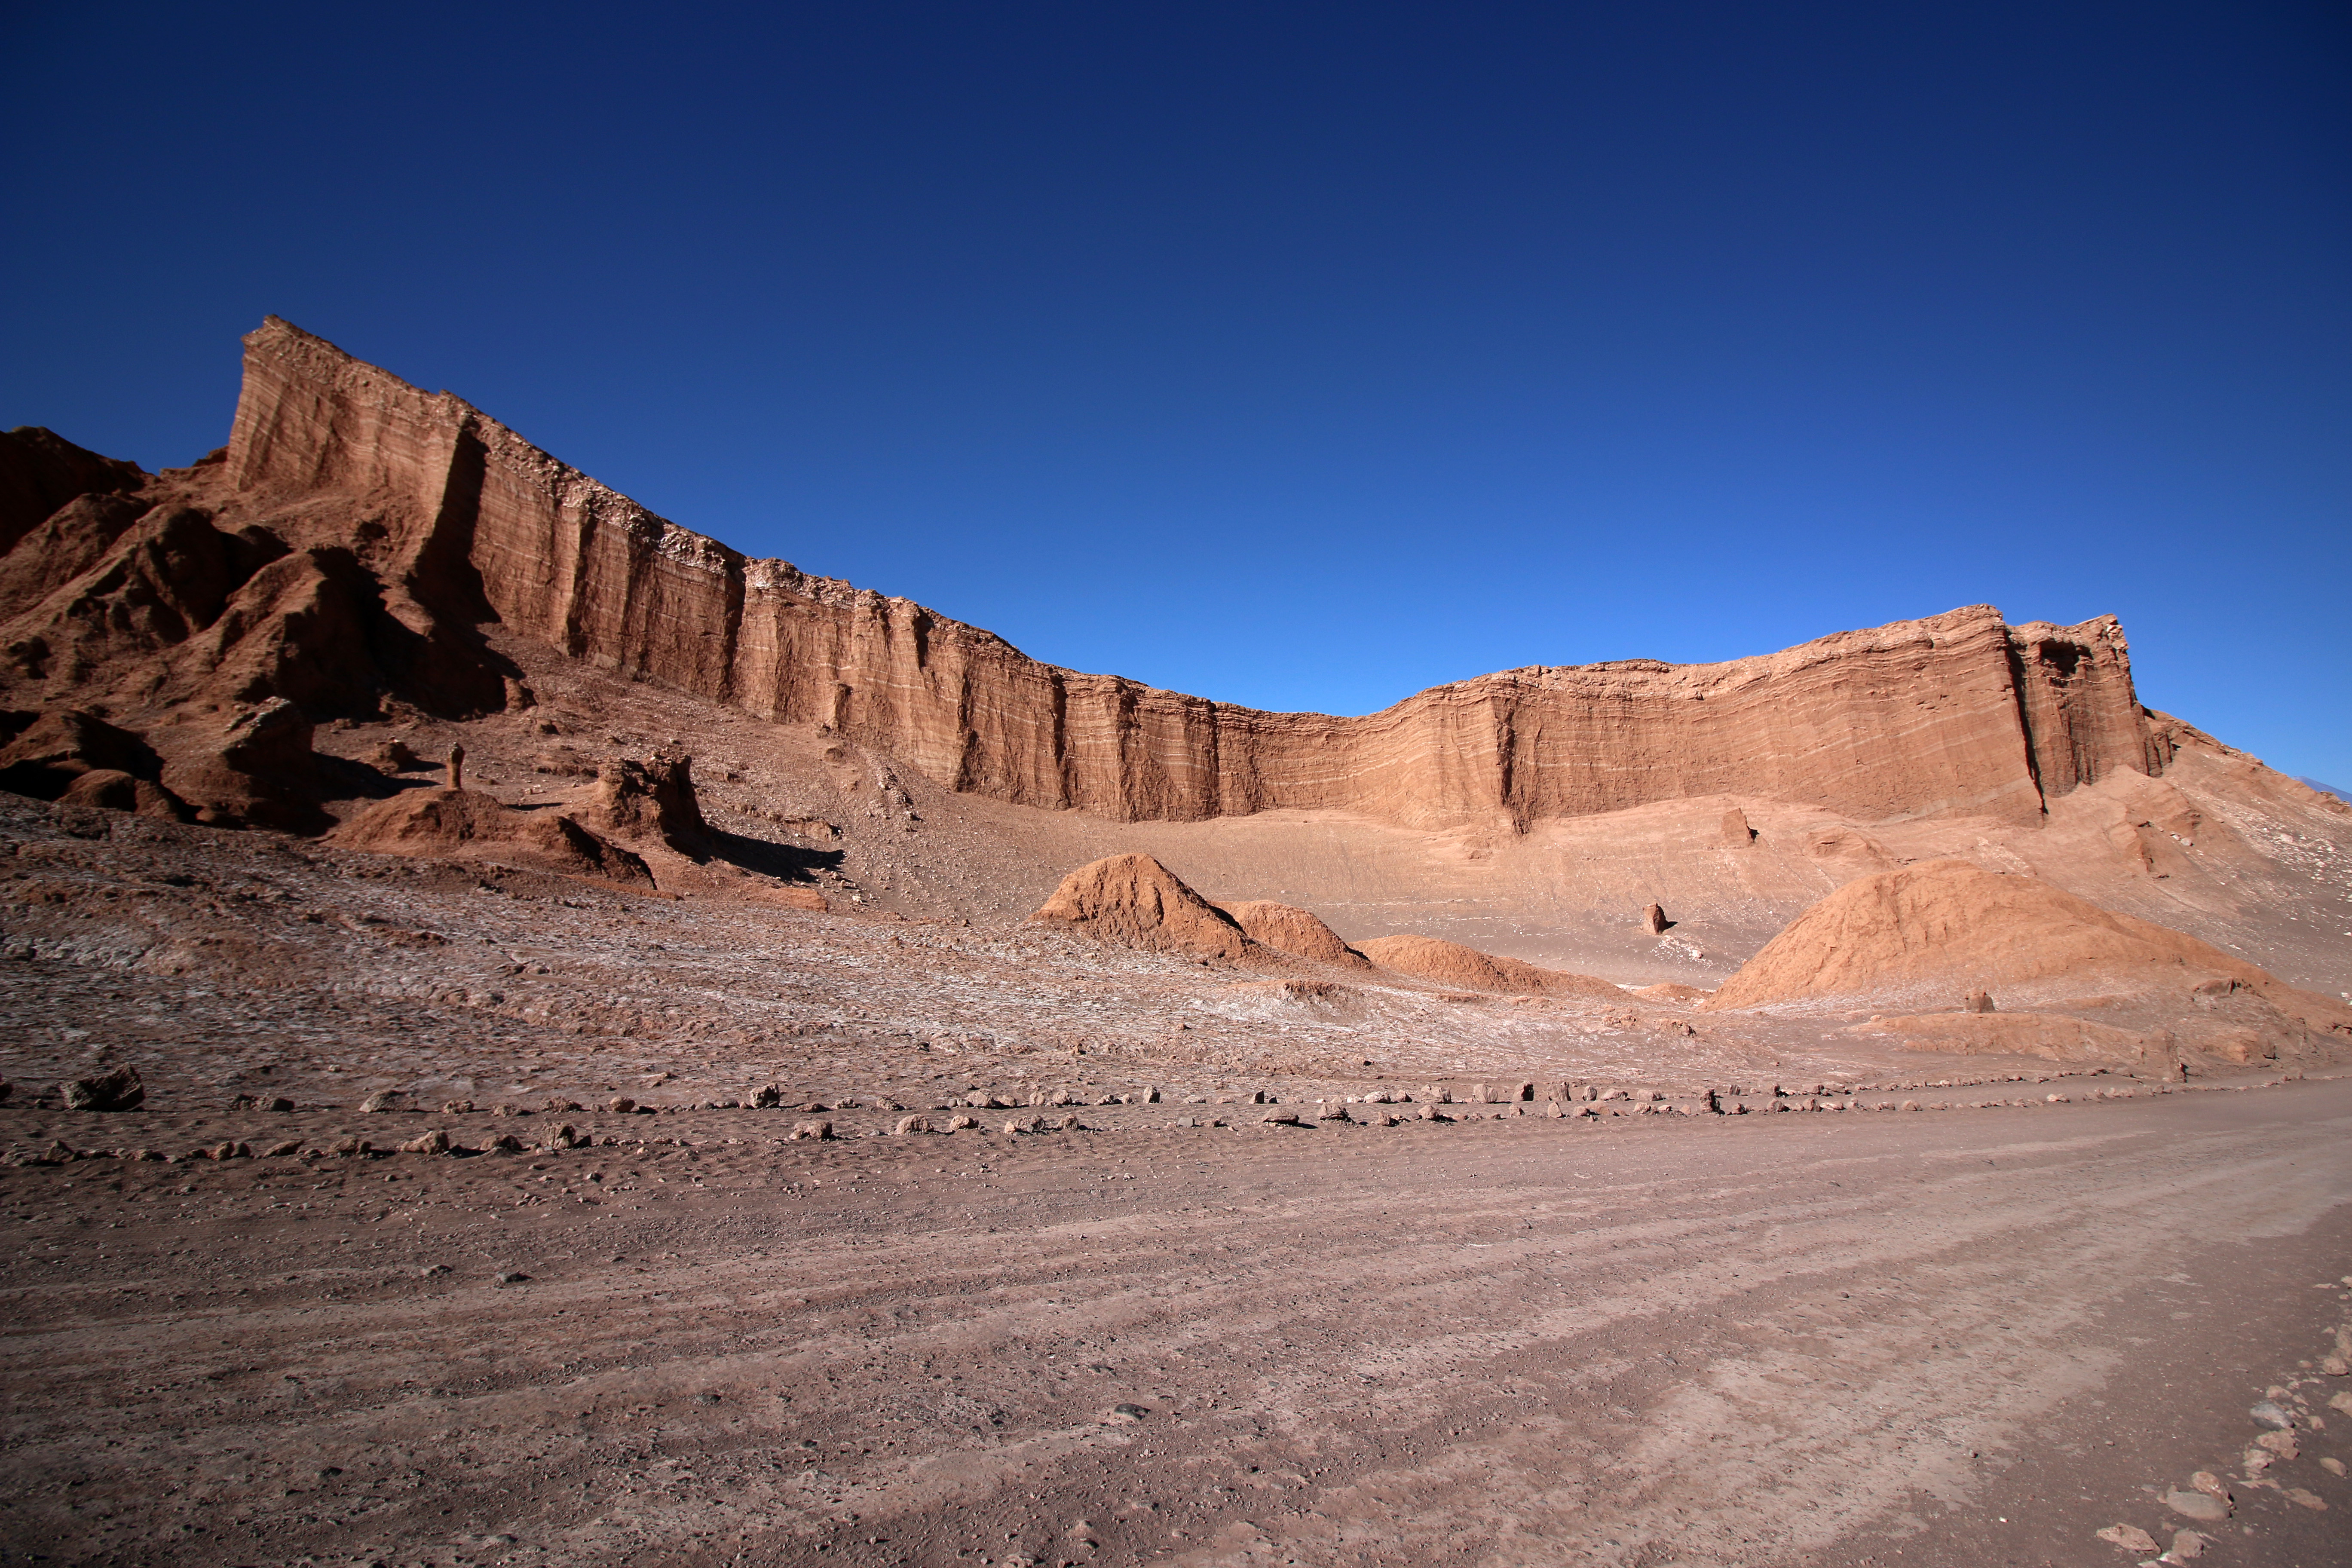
118	1090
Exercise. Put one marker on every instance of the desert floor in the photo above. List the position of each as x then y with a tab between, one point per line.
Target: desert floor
1961	1336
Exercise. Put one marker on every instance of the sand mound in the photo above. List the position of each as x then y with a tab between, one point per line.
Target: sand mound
1954	925
1135	902
1451	964
465	824
1288	929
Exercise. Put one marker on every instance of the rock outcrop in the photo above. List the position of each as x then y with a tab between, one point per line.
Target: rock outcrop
1451	964
1953	713
1285	928
467	826
1132	900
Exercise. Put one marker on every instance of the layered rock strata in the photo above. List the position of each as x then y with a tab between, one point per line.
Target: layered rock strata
1953	713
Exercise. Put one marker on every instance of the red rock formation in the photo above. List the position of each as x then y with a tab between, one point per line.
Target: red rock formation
1135	902
1288	929
462	825
1955	712
357	531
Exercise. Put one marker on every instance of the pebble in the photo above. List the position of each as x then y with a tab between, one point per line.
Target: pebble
2197	1506
818	1130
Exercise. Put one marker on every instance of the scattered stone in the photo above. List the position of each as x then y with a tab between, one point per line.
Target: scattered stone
619	1105
434	1143
564	1137
2211	1485
1653	920
456	1108
514	1277
1070	1123
118	1090
1280	1119
382	1101
58	1153
2331	1464
2187	1544
2336	1366
277	1104
767	1097
2270	1414
1908	1105
2342	1402
822	1131
1976	1002
2282	1444
1130	1412
959	1123
2308	1500
2130	1537
276	1151
351	1144
911	1124
507	1144
2197	1506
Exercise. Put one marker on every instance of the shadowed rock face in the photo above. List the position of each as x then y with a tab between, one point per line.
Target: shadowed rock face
1954	713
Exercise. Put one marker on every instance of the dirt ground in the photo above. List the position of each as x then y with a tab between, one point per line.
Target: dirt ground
1967	1336
1777	1292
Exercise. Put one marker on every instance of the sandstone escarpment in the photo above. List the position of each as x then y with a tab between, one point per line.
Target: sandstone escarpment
1951	713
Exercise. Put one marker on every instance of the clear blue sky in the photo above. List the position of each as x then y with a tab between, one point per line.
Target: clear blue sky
1294	356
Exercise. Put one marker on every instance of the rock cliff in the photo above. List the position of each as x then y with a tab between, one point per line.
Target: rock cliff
353	508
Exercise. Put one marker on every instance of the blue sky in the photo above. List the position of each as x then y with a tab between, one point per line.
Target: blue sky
1300	357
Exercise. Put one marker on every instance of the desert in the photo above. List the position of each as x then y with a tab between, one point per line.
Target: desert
533	1036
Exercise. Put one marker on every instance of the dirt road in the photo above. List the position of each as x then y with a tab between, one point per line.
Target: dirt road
1971	1336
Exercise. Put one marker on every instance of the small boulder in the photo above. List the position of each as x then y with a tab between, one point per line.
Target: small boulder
118	1090
820	1130
1653	920
381	1101
434	1143
1976	1002
767	1097
2130	1537
908	1125
2197	1506
620	1105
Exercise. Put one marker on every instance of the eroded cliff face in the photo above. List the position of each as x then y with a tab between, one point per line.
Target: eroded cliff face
414	517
